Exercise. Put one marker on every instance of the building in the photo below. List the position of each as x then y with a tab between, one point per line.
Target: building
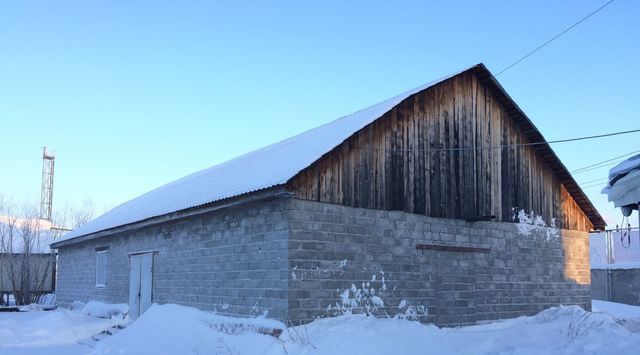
615	254
27	263
393	209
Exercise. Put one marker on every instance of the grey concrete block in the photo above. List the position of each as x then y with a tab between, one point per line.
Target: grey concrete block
294	259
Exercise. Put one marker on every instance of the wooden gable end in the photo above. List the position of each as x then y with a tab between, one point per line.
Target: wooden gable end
416	158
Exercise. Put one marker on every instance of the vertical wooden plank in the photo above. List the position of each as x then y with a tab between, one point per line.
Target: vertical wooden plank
480	153
451	141
445	161
399	168
436	154
497	163
428	144
488	152
457	190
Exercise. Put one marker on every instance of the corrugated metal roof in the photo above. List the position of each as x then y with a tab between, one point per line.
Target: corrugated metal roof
277	163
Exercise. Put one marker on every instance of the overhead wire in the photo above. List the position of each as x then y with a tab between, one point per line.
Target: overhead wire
592	186
555	37
588	184
592	181
598	165
503	146
598	184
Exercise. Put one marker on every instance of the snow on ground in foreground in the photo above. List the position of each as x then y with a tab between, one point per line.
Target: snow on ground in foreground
560	330
104	310
173	329
50	332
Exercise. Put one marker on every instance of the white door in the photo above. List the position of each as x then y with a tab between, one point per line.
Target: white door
140	284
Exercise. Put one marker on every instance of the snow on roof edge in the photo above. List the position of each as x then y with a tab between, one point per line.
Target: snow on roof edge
196	189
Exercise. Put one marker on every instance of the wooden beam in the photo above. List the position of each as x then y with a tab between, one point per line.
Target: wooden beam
455	249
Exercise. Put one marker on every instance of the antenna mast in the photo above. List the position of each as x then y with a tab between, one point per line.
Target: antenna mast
46	193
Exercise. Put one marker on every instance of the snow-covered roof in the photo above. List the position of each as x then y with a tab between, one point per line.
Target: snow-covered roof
276	164
16	232
260	169
623	188
624	167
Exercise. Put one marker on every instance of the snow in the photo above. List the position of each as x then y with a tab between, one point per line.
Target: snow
365	297
185	330
626	246
260	169
37	232
51	332
625	249
105	310
171	329
29	223
598	249
45	302
616	266
625	166
626	188
625	191
559	330
618	310
529	224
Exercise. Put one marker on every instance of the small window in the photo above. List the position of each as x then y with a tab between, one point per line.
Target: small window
101	268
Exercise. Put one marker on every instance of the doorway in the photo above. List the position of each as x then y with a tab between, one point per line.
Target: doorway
140	284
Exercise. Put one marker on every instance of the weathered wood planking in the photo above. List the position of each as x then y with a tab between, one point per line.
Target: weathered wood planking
394	163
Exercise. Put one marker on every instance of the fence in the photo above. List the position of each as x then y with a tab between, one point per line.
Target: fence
615	265
615	249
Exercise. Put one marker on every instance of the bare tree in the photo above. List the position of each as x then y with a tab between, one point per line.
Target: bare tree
26	260
69	217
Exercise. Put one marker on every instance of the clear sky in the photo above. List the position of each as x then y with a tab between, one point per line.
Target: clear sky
134	94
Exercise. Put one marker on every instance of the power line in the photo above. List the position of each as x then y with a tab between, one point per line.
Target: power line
592	186
595	183
592	181
600	184
555	37
589	137
603	163
598	167
504	146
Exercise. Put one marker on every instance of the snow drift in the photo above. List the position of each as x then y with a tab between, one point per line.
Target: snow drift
173	329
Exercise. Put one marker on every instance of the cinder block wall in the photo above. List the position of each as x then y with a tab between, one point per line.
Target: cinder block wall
616	285
599	285
234	261
335	249
302	259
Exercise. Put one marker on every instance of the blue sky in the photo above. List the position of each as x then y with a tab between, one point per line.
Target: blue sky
132	95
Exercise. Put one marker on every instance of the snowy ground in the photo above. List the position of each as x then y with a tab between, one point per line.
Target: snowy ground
170	329
50	332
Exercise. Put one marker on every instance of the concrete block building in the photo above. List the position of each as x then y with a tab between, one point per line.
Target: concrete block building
443	204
